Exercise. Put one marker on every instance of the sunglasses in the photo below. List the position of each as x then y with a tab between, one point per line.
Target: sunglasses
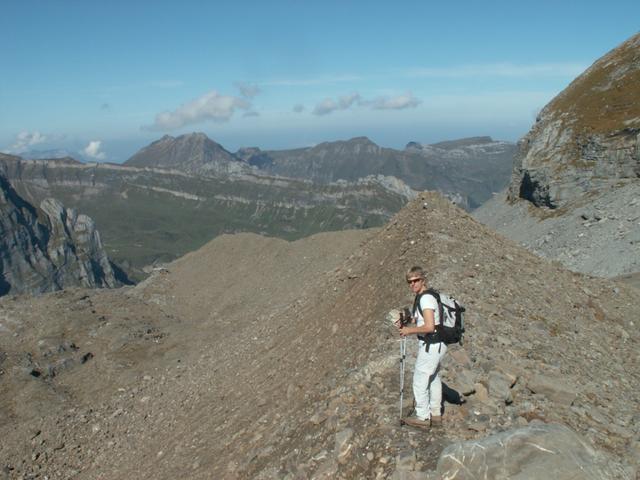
411	281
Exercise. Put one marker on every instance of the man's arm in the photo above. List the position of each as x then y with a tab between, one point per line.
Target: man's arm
428	327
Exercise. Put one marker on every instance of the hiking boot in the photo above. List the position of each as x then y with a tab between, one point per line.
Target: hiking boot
416	422
436	421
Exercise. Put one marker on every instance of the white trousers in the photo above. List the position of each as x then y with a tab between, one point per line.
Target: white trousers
427	386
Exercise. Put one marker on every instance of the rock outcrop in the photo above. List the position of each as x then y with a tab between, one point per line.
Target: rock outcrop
586	138
48	248
576	180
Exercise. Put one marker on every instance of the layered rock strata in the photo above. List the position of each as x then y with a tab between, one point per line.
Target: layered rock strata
586	138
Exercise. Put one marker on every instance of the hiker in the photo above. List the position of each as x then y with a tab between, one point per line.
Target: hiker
427	386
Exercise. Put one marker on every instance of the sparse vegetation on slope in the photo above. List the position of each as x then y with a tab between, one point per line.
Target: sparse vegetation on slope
587	137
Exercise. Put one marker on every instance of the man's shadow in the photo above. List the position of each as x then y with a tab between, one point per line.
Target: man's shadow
449	395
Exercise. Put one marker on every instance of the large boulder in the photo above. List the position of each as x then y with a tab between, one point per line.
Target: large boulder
536	451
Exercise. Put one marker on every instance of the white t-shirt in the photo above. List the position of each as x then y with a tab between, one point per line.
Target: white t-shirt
430	302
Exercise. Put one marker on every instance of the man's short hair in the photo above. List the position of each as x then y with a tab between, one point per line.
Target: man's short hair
416	272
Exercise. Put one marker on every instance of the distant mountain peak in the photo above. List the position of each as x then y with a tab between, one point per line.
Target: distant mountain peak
192	152
363	139
357	144
193	136
452	144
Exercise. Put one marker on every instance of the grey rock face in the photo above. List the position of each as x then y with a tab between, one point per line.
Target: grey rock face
586	138
580	164
48	248
531	453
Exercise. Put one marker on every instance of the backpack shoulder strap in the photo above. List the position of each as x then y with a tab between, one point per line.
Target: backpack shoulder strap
416	303
433	293
436	295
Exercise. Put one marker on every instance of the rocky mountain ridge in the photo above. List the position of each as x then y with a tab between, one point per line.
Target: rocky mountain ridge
587	137
466	170
48	248
576	179
294	373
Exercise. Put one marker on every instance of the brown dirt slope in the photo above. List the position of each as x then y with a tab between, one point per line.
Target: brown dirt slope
256	358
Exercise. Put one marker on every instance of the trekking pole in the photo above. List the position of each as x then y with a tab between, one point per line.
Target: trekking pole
403	350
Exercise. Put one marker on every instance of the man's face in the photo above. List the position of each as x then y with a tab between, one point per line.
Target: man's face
415	284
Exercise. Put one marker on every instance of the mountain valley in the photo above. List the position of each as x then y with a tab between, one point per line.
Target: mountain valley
148	216
178	193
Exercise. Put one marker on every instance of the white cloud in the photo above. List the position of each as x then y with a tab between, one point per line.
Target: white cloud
93	150
328	105
24	140
210	106
325	107
247	90
399	102
348	100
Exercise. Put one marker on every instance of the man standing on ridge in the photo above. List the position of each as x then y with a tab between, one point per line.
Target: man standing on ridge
427	386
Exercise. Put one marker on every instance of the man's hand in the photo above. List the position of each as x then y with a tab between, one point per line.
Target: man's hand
398	322
405	331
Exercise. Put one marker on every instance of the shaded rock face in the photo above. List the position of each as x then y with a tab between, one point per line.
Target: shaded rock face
586	138
192	153
48	248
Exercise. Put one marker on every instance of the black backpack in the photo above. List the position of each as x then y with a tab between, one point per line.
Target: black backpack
451	327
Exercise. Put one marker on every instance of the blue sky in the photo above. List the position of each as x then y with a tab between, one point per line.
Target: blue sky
103	79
